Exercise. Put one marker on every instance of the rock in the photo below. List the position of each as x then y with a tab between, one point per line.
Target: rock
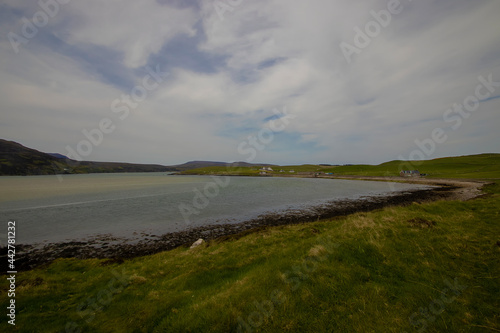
197	243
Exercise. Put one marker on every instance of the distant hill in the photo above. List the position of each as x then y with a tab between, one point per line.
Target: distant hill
206	164
57	155
16	159
472	166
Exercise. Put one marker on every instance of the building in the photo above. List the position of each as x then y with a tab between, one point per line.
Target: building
408	173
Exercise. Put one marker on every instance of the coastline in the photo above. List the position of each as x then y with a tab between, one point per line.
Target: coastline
463	189
114	249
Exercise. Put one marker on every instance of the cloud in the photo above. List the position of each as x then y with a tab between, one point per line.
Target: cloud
227	76
137	30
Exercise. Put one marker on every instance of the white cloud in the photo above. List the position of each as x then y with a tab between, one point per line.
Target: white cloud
138	29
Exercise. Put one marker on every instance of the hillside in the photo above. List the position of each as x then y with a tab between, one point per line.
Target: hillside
221	165
16	159
472	166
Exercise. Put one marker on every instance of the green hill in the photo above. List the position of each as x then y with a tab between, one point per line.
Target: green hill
16	159
472	166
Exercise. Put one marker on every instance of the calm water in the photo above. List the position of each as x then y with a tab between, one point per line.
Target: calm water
81	206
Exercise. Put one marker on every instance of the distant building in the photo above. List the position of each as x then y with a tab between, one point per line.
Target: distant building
409	173
292	171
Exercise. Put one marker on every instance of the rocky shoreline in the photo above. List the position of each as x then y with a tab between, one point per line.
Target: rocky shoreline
116	249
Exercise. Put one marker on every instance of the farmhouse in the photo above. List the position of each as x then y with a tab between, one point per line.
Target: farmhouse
408	173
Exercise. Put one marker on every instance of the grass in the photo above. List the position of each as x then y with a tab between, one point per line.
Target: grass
430	267
474	166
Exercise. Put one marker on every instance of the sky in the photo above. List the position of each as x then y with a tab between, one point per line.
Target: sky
272	81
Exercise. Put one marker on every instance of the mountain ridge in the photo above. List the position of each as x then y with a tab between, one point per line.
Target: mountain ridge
19	160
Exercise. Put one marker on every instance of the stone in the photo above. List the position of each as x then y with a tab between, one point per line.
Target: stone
197	243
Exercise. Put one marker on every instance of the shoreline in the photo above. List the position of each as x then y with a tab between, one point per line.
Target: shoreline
30	257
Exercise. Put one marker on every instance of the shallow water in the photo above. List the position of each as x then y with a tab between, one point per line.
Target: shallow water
76	207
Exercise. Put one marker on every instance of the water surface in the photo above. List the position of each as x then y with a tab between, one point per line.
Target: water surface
47	209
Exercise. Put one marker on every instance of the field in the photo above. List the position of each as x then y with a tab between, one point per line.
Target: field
429	267
476	166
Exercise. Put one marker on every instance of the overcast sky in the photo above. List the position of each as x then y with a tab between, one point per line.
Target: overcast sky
272	81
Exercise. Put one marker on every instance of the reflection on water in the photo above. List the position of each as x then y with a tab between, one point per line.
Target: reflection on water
121	204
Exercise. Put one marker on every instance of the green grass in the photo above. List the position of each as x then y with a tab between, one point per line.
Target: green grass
475	166
388	270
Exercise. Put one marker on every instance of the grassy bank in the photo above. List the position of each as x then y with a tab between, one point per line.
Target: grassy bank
431	267
474	166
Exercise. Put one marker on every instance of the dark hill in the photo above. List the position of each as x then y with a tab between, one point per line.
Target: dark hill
16	159
57	155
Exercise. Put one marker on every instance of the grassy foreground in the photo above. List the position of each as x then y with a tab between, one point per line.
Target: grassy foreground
431	267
